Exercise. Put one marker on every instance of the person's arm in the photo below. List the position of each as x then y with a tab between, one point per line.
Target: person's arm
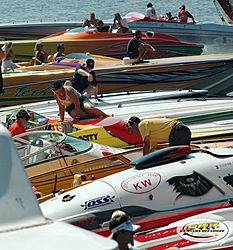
146	145
45	53
85	73
37	57
11	53
61	109
2	55
151	47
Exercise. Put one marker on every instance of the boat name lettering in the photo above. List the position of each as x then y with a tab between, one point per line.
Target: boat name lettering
224	165
89	137
101	201
94	168
84	222
141	183
146	23
24	91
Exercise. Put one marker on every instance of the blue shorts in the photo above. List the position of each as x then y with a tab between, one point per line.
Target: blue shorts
83	99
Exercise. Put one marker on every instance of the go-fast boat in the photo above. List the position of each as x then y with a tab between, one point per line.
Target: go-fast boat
106	44
211	72
159	183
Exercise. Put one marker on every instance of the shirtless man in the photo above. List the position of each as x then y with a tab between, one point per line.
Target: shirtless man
77	105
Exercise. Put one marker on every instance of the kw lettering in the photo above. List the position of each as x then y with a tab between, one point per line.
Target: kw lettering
140	184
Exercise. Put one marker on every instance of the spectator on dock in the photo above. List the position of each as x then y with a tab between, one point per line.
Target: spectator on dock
120	23
60	51
7	62
136	48
150	12
183	15
159	129
122	230
40	53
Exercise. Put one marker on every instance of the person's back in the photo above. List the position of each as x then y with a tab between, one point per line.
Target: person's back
184	15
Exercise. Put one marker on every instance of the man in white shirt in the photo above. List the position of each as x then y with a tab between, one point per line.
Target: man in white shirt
150	12
120	23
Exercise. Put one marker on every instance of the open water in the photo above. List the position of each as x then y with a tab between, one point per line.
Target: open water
16	11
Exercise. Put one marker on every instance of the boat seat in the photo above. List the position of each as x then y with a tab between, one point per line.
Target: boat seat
127	60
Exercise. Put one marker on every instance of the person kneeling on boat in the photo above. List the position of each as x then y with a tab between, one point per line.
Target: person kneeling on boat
159	129
83	76
77	105
136	48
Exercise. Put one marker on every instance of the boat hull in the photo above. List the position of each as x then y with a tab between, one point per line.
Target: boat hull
213	73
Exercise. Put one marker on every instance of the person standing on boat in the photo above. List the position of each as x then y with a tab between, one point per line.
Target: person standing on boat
150	12
183	15
84	75
40	53
78	106
7	62
60	51
18	127
159	129
122	230
136	48
120	23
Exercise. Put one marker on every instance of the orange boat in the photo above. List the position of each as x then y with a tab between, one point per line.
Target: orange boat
107	44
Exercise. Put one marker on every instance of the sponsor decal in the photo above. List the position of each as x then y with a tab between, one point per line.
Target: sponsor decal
97	202
202	230
25	91
83	222
141	183
104	153
89	137
191	185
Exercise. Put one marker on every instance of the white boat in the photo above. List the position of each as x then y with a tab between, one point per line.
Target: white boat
159	183
209	230
22	224
205	33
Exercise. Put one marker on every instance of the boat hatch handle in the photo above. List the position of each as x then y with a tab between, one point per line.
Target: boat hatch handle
161	157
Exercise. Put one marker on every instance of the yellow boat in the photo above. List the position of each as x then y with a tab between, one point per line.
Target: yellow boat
211	72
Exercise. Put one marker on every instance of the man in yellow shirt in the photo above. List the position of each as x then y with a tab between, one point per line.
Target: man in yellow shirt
159	129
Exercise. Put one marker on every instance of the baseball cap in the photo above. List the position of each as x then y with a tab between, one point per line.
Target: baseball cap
127	225
149	5
182	6
56	84
23	114
90	63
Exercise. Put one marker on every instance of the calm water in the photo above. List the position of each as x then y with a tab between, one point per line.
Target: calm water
44	10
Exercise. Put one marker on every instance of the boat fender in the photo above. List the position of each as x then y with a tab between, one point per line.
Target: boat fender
161	156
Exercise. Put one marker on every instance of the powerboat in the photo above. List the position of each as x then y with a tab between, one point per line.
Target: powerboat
211	72
43	151
159	183
105	44
22	223
205	33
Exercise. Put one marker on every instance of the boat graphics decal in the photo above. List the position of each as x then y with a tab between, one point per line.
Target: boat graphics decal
191	185
141	183
97	202
202	230
83	222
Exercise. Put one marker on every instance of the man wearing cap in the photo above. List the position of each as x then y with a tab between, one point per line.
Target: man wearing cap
136	48
159	129
183	15
120	23
150	12
83	76
77	105
122	230
18	127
